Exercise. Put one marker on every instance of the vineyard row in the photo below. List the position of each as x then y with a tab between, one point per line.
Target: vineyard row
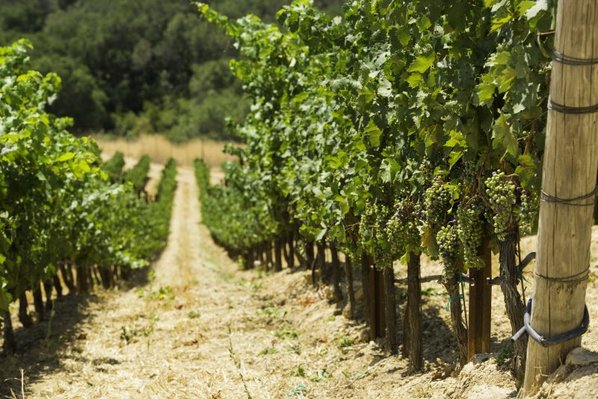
61	208
397	129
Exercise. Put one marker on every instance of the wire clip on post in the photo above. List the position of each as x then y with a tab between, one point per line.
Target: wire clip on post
557	339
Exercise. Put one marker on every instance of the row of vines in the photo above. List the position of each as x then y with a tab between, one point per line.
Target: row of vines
62	210
397	129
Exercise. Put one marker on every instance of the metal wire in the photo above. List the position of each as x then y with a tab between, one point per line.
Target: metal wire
568	60
573	201
576	278
565	109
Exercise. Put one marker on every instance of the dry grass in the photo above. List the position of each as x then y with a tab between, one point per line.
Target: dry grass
160	149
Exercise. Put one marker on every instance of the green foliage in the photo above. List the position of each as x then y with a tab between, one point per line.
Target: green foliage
56	202
137	175
378	129
114	166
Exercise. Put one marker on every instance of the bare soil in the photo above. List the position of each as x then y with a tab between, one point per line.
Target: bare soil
197	327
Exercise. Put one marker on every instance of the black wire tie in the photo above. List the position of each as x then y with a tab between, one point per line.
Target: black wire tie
573	201
557	339
576	278
568	60
565	109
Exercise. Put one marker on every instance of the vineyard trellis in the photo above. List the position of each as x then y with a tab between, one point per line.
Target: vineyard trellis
61	218
396	129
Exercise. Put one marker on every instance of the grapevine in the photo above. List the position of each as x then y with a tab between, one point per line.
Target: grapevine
437	205
58	210
448	246
374	131
501	194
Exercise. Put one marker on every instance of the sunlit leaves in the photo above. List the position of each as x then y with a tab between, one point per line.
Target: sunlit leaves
353	118
55	202
503	137
421	63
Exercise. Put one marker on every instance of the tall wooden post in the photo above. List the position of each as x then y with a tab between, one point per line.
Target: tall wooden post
569	179
480	305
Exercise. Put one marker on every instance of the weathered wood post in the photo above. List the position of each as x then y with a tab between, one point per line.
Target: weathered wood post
480	305
568	190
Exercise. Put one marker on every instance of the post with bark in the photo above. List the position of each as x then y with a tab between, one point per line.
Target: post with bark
350	308
412	331
390	311
373	291
480	304
568	190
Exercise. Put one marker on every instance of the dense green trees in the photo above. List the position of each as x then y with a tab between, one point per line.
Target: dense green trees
136	66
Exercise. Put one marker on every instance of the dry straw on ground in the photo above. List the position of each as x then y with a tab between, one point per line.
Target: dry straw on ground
160	149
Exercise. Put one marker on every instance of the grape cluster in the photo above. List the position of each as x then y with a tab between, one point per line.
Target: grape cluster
502	198
470	232
448	244
437	203
427	169
373	234
401	229
528	211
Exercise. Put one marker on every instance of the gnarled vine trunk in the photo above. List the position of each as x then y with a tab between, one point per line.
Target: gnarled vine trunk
336	274
452	287
350	309
509	279
10	344
24	317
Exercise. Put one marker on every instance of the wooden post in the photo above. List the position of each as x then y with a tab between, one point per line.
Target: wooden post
390	312
373	289
480	305
412	332
380	298
570	164
369	287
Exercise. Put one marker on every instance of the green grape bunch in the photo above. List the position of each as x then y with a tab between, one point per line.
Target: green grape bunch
501	192
438	201
448	245
470	232
528	212
402	227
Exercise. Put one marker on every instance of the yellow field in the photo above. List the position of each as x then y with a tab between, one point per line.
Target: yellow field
160	149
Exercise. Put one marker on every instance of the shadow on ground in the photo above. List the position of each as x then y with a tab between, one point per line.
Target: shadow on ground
39	348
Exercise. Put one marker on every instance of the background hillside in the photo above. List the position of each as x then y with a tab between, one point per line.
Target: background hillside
132	67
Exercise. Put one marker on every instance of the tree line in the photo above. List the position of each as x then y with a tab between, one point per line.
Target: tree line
132	67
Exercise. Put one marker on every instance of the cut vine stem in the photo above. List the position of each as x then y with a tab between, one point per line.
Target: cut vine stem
570	164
